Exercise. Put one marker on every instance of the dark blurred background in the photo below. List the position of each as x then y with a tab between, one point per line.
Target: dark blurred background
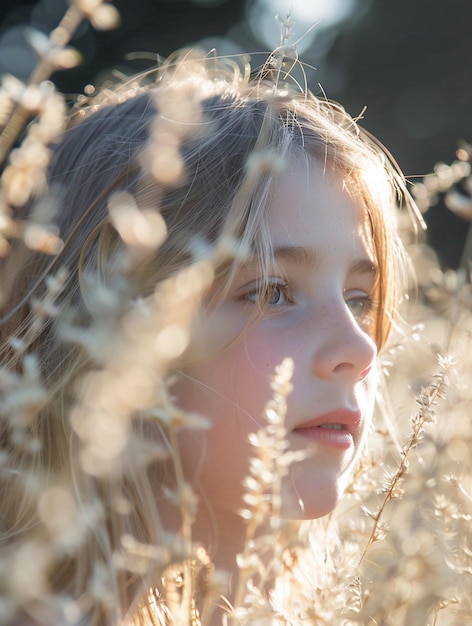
408	61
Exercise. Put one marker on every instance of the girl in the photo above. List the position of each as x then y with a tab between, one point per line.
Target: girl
214	227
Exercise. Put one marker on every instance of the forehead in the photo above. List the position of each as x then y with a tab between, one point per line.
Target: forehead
310	207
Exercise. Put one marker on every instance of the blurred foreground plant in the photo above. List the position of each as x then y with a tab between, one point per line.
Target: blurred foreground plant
403	554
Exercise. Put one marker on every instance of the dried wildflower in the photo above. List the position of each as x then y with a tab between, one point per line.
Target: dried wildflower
183	497
427	400
459	203
268	467
53	56
180	117
141	231
175	419
102	15
23	397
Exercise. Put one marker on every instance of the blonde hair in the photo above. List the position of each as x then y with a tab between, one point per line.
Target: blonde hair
201	146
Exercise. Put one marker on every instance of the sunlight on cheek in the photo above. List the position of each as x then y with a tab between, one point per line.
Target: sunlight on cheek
212	335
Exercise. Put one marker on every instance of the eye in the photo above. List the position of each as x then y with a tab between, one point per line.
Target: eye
362	307
359	305
271	294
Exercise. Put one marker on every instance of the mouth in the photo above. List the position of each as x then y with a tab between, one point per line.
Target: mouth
333	426
335	429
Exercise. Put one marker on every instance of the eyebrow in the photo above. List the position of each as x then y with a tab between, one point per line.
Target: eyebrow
310	258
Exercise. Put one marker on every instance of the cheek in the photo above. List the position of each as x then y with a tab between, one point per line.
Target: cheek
236	383
257	368
216	460
232	391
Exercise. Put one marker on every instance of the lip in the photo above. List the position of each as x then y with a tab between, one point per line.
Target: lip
312	430
365	373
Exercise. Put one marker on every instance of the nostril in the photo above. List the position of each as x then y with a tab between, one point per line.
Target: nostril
343	367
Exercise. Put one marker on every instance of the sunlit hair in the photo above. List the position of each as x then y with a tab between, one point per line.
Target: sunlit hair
231	137
203	145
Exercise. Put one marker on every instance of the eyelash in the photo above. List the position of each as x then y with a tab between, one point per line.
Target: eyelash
262	295
370	306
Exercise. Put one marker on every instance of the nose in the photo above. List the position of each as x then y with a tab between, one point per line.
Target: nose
344	350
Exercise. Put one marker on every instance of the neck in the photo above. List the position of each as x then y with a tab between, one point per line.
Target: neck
223	535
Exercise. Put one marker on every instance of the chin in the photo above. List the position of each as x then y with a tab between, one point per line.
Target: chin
305	497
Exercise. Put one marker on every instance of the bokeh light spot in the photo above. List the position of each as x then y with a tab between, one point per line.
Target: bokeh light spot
308	18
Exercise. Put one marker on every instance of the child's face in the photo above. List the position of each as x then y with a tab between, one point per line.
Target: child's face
319	315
